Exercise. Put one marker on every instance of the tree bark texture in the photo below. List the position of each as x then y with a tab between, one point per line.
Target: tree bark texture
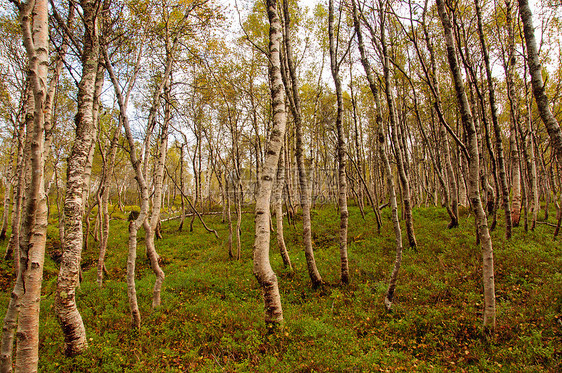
295	105
262	267
472	138
496	125
509	68
341	153
135	224
397	141
389	296
278	203
35	31
65	297
151	224
552	125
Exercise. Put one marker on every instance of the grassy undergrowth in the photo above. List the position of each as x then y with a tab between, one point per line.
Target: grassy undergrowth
211	314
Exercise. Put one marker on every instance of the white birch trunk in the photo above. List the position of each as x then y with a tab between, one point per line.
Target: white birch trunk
341	153
65	297
262	267
34	225
295	105
474	190
552	125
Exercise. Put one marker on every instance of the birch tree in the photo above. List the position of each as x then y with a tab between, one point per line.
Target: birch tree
495	123
262	267
539	92
341	153
65	297
25	299
381	145
397	138
292	88
474	190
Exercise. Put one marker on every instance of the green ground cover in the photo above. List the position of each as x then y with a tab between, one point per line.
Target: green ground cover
211	314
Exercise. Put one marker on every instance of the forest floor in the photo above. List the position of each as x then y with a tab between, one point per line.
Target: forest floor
211	318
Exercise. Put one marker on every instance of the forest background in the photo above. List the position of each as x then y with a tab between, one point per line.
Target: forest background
405	156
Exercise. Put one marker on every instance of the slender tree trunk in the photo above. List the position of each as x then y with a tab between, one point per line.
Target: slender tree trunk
451	178
342	179
481	219
25	136
180	227
229	215
239	197
528	145
292	89
495	122
8	192
389	296
11	319
509	68
135	224
397	141
380	138
104	206
151	224
278	202
12	249
552	125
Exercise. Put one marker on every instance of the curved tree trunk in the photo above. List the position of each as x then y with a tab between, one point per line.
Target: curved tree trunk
262	267
135	224
65	297
151	224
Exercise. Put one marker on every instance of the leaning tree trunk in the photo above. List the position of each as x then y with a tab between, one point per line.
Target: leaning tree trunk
108	168
552	125
134	224
65	297
472	139
262	267
342	178
151	224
